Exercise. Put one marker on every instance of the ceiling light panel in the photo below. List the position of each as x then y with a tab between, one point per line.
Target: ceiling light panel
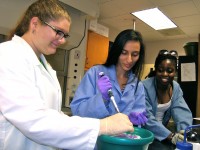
154	18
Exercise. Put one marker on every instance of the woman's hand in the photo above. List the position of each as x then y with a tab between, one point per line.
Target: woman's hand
138	118
116	124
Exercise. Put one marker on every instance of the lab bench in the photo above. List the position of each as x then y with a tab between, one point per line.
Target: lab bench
157	145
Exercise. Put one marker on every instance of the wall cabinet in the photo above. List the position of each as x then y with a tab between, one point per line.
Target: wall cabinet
192	95
187	78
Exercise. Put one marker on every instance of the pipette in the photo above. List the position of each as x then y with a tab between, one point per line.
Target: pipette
101	74
113	100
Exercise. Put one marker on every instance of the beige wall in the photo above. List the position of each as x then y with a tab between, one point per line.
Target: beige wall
152	48
146	70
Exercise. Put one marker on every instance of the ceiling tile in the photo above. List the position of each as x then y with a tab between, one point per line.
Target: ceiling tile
152	36
192	31
115	14
133	5
180	9
117	7
187	21
166	2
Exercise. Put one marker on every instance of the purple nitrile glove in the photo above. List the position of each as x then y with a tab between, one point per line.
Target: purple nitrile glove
104	85
138	118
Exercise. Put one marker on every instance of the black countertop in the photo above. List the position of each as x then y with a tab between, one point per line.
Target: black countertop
157	145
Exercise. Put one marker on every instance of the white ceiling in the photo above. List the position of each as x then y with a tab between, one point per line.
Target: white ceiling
184	13
115	14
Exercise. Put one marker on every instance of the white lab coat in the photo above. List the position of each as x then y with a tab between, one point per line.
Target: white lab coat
30	105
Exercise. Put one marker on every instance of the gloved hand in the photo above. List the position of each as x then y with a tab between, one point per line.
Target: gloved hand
181	132
115	124
177	137
138	118
104	85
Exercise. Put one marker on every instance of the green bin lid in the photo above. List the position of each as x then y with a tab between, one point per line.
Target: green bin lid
146	138
190	44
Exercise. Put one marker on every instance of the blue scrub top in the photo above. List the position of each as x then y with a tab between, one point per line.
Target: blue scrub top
88	101
178	111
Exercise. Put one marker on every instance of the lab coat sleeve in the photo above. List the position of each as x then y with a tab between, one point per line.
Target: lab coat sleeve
181	113
22	106
159	130
88	101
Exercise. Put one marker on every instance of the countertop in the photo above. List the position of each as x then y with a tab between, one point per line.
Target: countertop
157	145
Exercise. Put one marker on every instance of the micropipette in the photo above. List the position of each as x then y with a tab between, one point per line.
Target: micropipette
113	100
101	74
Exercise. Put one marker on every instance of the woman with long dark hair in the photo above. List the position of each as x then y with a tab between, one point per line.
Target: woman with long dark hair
121	75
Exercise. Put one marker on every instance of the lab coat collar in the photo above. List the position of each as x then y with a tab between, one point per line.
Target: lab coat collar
27	50
32	57
112	72
131	81
47	66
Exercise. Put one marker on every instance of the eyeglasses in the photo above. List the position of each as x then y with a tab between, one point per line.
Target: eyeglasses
166	52
60	33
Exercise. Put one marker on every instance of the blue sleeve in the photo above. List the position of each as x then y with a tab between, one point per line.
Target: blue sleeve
159	130
88	101
139	105
181	113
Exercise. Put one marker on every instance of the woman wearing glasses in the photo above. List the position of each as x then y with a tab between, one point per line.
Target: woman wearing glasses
30	94
164	99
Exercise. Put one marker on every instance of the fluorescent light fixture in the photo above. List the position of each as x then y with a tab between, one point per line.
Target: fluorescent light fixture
154	18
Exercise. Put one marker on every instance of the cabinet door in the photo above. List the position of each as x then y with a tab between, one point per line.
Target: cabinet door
97	49
187	78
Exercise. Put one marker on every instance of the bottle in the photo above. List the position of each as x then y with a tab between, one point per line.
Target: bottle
183	146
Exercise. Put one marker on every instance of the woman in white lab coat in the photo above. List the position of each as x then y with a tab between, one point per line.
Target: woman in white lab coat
30	94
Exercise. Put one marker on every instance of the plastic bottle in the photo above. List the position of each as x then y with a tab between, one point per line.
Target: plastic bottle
183	146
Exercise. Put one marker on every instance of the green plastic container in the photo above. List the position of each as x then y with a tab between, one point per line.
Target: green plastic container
191	48
106	142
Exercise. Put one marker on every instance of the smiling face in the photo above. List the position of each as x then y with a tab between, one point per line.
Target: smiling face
165	72
47	39
129	56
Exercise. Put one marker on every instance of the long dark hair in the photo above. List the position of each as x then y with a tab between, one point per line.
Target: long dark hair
163	56
118	45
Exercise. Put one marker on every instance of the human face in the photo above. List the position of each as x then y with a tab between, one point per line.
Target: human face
129	56
165	72
48	37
